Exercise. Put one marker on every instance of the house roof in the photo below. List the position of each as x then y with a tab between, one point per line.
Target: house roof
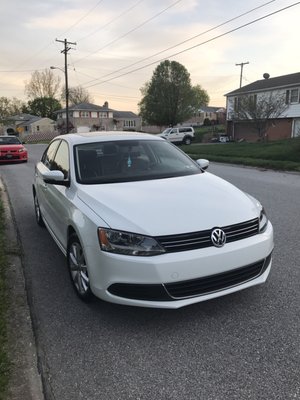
124	114
85	107
23	117
270	83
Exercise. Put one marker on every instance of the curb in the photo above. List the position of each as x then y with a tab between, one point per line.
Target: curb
25	380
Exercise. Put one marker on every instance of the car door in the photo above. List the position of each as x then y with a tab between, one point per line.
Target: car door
174	135
40	185
58	204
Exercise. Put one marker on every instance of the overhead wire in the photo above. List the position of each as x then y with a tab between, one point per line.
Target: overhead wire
183	42
111	21
131	30
197	45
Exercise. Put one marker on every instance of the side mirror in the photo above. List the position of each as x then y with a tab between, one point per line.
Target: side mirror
203	163
55	178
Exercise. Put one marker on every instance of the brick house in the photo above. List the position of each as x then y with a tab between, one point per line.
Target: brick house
91	117
284	126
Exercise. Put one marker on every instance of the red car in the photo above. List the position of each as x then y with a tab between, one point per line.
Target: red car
12	150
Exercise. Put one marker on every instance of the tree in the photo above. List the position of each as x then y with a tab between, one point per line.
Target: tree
9	107
168	98
77	95
260	110
43	107
201	97
43	84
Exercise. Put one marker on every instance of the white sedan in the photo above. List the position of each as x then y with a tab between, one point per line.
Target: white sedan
143	224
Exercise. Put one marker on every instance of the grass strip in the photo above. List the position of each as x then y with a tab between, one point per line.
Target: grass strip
4	359
279	155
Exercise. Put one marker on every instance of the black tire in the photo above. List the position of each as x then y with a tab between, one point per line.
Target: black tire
38	214
78	269
187	140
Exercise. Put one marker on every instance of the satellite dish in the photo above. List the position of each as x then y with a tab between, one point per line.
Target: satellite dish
266	75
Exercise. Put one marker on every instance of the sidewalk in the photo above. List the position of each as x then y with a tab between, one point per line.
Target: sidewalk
25	382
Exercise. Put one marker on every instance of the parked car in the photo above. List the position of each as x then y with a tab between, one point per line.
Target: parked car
223	139
142	224
12	150
184	134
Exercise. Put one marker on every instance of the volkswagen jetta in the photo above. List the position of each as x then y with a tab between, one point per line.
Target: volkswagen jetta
142	224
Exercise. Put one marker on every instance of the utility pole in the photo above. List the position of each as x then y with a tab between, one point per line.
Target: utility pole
242	66
65	52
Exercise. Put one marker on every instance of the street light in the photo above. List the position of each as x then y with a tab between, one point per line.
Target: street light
65	71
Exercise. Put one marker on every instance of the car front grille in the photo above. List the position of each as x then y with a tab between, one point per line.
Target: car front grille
9	154
202	239
217	282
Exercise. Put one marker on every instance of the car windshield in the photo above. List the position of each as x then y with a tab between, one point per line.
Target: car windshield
168	130
128	160
9	140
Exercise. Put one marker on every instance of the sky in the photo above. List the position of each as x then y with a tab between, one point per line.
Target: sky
119	44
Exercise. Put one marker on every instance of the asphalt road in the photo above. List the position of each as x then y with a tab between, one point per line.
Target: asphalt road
241	346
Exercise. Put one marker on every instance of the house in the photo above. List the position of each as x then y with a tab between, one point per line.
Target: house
207	115
91	117
27	124
281	125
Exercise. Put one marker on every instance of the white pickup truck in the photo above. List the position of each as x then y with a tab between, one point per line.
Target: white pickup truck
184	134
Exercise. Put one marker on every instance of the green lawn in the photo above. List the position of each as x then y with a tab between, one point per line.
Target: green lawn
4	361
278	155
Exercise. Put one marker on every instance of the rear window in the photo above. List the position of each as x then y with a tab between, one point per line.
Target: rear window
125	161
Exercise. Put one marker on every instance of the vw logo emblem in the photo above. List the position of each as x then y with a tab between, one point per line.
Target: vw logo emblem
218	237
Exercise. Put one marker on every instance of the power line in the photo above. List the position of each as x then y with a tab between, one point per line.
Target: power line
132	30
198	45
111	21
183	42
50	43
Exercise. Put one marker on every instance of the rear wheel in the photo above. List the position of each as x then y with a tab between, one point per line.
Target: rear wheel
38	214
78	269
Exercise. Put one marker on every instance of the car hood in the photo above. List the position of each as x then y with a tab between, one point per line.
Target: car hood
170	206
9	147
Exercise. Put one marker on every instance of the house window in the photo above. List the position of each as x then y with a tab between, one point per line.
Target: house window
84	114
37	128
253	100
292	96
129	123
102	115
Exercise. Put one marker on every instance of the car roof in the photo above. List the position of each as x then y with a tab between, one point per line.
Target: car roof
104	136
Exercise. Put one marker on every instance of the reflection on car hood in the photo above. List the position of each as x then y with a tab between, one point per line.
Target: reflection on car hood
169	206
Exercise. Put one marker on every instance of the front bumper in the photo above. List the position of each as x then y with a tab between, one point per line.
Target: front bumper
179	279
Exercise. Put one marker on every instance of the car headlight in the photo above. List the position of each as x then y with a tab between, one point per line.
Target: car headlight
21	150
263	221
130	244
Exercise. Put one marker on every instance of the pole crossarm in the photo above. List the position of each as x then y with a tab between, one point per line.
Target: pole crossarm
242	66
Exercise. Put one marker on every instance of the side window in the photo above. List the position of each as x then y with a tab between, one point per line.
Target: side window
49	154
61	160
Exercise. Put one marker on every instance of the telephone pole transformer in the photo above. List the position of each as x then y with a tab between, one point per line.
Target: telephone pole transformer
65	52
242	66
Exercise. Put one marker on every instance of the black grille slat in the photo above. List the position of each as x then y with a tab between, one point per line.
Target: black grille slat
214	283
202	239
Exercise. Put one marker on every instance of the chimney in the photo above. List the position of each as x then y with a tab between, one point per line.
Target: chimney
105	104
266	75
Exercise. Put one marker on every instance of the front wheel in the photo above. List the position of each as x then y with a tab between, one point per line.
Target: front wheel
38	214
78	269
187	140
